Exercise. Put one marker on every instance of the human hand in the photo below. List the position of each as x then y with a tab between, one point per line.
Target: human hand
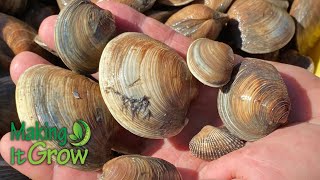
288	153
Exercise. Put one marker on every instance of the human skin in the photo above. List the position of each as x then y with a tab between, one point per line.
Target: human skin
291	152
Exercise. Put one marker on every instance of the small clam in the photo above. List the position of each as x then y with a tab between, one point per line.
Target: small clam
211	143
259	26
255	101
197	21
139	5
81	32
13	7
217	5
8	112
211	62
139	167
59	97
147	86
307	14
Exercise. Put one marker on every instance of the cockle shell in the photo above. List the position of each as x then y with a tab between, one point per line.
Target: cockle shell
211	143
81	32
211	62
198	21
139	167
307	15
8	111
13	7
259	26
255	102
60	97
147	86
217	5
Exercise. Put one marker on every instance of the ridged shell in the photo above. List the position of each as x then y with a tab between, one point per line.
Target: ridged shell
307	14
147	86
211	62
280	3
211	143
259	26
217	5
197	21
81	32
255	101
9	173
8	111
139	167
60	97
13	7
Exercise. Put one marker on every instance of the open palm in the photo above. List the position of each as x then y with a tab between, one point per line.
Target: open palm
291	152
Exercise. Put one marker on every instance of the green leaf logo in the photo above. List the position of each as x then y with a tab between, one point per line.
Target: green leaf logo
77	138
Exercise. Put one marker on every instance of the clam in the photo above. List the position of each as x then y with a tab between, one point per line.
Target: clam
211	143
139	5
8	112
63	3
259	26
13	7
139	167
19	37
255	102
211	62
197	21
307	15
217	5
147	86
160	15
59	97
280	3
81	32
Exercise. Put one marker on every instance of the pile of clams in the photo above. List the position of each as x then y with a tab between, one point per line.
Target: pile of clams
145	87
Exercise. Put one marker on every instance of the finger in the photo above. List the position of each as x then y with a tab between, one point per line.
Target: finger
63	172
22	62
42	171
127	19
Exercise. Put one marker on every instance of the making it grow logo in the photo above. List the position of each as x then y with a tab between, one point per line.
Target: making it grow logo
80	137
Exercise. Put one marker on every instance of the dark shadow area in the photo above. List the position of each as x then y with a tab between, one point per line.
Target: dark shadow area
188	174
8	173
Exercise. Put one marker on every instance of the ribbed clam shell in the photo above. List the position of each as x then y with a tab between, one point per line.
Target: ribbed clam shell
9	173
60	97
217	5
255	101
81	32
146	85
197	21
211	62
211	143
139	167
8	112
307	14
260	26
280	3
13	7
63	3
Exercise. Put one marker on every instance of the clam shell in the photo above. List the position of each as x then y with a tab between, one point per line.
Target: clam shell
259	26
211	143
211	62
8	112
217	5
63	3
159	15
255	102
197	21
307	15
147	86
81	32
139	167
60	97
13	7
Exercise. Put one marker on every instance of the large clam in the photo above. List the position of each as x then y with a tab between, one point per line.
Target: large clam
147	86
255	102
59	97
81	32
259	26
198	21
139	167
